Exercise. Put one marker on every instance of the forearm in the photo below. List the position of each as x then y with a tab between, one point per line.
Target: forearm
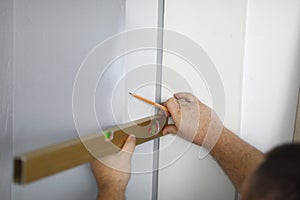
237	158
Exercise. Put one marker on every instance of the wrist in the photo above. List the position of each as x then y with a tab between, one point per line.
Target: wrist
211	139
112	187
112	191
113	181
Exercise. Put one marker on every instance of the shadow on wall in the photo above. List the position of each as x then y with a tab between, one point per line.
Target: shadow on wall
297	126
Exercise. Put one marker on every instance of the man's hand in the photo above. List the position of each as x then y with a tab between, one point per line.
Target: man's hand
196	122
112	173
192	119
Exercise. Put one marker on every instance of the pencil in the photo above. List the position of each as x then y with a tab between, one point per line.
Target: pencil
148	101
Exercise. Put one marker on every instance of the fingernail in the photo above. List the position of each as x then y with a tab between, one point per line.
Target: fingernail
132	137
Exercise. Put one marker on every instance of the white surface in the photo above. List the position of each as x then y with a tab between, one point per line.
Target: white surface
141	70
6	84
218	27
51	41
271	72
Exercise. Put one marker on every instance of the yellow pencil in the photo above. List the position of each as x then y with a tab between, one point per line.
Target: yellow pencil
148	101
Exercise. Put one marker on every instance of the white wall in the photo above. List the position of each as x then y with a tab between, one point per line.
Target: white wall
218	27
271	72
6	88
266	81
51	40
141	71
42	45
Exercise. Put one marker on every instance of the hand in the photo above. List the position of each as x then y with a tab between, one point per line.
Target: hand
193	120
112	173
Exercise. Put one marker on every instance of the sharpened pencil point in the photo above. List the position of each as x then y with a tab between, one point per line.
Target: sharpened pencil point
130	93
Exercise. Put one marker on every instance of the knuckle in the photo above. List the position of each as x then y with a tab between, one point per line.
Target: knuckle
171	101
168	102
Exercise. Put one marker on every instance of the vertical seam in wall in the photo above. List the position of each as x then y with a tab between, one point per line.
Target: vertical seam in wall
242	80
297	116
156	143
244	70
12	89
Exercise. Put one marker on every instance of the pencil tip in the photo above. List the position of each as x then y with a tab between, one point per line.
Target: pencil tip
130	93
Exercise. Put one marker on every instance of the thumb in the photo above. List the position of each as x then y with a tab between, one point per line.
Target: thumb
129	145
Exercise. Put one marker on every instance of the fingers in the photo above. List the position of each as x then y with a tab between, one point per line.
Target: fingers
169	129
129	145
186	96
174	109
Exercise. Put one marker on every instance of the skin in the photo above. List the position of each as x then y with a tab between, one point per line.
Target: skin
110	180
192	120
